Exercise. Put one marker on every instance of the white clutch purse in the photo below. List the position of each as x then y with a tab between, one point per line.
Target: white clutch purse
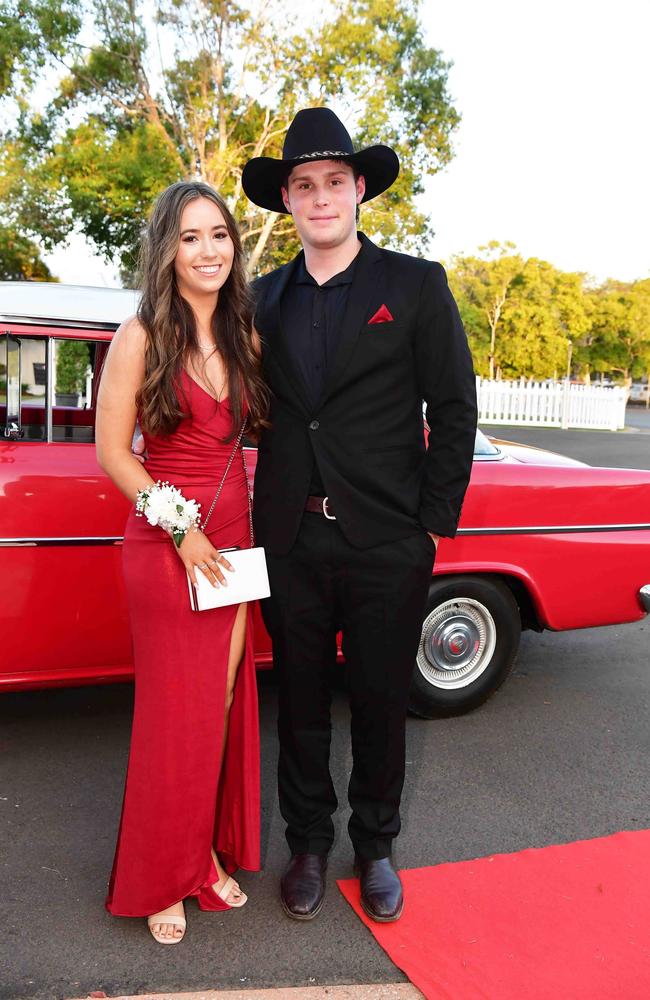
250	579
248	582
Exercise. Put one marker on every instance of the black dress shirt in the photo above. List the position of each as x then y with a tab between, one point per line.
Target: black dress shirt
312	315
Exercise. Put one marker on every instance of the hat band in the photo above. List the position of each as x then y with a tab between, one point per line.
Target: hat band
334	154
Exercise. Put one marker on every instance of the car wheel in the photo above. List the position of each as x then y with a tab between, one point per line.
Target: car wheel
470	636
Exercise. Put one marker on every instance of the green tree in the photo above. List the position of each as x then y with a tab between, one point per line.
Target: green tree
522	316
482	286
542	319
154	92
620	329
71	366
20	258
32	34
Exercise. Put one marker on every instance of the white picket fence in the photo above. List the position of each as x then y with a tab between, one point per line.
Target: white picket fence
551	404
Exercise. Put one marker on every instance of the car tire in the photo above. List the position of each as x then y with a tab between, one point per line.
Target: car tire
470	636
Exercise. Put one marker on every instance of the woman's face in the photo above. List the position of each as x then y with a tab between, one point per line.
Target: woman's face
205	250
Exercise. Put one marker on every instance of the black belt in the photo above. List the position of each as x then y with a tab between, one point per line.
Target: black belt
320	505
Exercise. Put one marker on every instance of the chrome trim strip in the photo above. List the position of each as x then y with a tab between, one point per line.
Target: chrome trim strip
63	540
559	529
49	388
644	596
76	324
562	529
499	456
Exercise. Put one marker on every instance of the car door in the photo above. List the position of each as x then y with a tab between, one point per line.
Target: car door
63	618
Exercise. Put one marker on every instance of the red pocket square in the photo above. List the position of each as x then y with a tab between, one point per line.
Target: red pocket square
381	316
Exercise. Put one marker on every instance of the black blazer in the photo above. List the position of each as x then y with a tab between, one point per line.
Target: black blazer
366	432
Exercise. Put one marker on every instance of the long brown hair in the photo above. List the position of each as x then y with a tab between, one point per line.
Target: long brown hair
170	325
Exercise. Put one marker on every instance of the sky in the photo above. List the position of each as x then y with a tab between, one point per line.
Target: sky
553	150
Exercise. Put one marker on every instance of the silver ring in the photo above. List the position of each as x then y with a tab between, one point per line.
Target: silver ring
203	565
214	560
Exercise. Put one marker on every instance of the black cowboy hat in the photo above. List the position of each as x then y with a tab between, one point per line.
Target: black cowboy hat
317	134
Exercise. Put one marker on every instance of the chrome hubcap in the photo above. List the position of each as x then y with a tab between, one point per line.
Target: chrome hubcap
457	643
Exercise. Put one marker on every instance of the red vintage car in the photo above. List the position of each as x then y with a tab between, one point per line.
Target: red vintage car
545	542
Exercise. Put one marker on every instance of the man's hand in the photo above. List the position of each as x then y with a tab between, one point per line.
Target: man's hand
435	539
138	448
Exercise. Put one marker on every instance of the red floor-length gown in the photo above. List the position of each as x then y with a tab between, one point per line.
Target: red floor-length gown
176	803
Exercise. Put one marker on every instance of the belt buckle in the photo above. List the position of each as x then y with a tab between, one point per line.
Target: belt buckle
330	517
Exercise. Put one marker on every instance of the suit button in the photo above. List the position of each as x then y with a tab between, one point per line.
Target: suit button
314	425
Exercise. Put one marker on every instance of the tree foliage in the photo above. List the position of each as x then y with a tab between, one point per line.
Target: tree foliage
483	285
148	93
71	366
20	258
32	33
519	314
544	313
619	339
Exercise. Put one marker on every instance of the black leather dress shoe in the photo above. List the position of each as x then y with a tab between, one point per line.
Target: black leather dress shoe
382	898
302	888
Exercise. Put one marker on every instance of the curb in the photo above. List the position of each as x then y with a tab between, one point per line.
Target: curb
377	991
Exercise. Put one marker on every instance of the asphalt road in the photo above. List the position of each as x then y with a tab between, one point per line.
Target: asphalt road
627	449
560	753
638	416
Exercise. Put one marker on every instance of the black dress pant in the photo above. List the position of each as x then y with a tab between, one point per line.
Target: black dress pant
376	597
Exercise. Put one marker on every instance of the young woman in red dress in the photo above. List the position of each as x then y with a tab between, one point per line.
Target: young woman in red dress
187	368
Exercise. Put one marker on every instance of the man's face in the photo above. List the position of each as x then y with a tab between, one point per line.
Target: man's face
322	197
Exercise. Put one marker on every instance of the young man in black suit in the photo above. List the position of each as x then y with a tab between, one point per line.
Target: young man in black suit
349	503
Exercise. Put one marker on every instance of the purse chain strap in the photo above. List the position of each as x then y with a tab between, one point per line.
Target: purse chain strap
248	487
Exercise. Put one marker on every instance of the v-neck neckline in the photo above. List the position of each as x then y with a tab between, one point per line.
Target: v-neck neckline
203	389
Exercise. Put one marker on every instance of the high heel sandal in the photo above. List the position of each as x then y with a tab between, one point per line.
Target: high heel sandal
210	899
170	919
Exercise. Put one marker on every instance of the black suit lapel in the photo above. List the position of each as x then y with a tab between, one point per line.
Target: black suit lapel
274	339
364	286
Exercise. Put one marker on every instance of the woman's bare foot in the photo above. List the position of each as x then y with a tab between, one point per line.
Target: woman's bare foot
164	931
235	895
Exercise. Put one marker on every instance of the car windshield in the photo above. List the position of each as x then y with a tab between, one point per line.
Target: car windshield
484	447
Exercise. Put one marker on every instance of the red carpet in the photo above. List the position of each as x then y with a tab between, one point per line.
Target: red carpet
568	922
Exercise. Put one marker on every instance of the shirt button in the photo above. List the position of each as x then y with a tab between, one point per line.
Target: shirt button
314	425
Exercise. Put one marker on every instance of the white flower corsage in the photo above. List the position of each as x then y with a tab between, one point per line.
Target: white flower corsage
164	505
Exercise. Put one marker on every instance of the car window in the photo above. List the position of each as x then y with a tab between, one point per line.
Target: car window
33	387
76	367
39	404
23	387
10	384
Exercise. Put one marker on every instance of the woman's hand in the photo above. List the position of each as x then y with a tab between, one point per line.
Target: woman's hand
197	553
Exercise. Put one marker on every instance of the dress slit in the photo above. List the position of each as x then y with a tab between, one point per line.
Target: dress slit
230	808
222	769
